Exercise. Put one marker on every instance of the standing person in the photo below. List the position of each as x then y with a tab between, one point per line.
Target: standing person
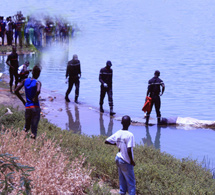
105	78
9	30
32	106
74	72
13	70
124	140
2	29
153	91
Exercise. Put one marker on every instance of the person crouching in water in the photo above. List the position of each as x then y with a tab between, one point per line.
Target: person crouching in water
23	71
32	106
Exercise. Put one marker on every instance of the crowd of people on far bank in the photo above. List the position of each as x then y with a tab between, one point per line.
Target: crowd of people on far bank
31	30
123	139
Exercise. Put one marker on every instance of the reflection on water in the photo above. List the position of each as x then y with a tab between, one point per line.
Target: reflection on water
148	139
102	127
73	123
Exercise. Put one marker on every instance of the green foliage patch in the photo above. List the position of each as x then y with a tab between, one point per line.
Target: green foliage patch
155	172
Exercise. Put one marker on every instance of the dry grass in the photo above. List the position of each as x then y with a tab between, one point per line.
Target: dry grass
53	173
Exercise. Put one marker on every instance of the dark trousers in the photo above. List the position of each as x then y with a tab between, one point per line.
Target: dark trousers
73	81
9	37
32	118
13	73
109	92
157	102
2	37
18	34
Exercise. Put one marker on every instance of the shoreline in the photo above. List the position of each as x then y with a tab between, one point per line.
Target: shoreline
7	49
52	104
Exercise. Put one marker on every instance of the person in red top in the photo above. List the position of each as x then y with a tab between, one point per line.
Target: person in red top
12	62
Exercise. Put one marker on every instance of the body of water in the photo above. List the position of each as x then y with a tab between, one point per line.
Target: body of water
139	37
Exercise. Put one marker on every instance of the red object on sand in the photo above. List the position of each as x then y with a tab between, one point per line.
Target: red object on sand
147	105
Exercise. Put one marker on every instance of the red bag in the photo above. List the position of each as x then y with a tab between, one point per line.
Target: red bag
147	105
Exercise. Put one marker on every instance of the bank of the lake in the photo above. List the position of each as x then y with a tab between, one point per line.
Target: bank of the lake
7	49
156	172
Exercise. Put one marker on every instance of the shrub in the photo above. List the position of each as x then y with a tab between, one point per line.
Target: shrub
54	173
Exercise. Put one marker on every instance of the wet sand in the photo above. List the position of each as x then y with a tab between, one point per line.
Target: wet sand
80	118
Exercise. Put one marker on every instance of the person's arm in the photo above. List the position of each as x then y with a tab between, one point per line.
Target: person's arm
163	89
100	77
107	142
79	69
148	91
38	84
7	62
111	140
17	91
130	156
67	71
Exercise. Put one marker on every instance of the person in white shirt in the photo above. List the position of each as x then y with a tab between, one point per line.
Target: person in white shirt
23	71
124	140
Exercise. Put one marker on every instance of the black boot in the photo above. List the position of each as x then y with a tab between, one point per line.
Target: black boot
147	120
158	120
66	98
101	109
111	111
76	99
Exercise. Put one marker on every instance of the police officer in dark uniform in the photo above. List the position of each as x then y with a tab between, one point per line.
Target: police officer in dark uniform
105	77
155	92
74	72
13	70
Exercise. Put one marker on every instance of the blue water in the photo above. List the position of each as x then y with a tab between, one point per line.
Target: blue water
139	37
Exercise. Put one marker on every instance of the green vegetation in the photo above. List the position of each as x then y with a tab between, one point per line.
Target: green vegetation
25	49
8	166
155	172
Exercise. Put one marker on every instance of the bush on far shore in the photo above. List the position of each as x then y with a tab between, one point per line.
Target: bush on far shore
155	172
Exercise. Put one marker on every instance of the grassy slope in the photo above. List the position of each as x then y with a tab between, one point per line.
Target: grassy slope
155	172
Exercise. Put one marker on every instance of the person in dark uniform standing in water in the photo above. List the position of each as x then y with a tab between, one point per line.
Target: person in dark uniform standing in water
74	72
12	61
154	91
105	77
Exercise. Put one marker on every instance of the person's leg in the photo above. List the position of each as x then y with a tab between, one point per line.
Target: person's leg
34	121
16	35
148	113
11	79
157	108
122	181
77	85
70	85
16	78
110	100
3	38
128	174
28	117
10	37
102	96
20	38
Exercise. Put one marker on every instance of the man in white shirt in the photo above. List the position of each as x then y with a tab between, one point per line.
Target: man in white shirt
124	140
